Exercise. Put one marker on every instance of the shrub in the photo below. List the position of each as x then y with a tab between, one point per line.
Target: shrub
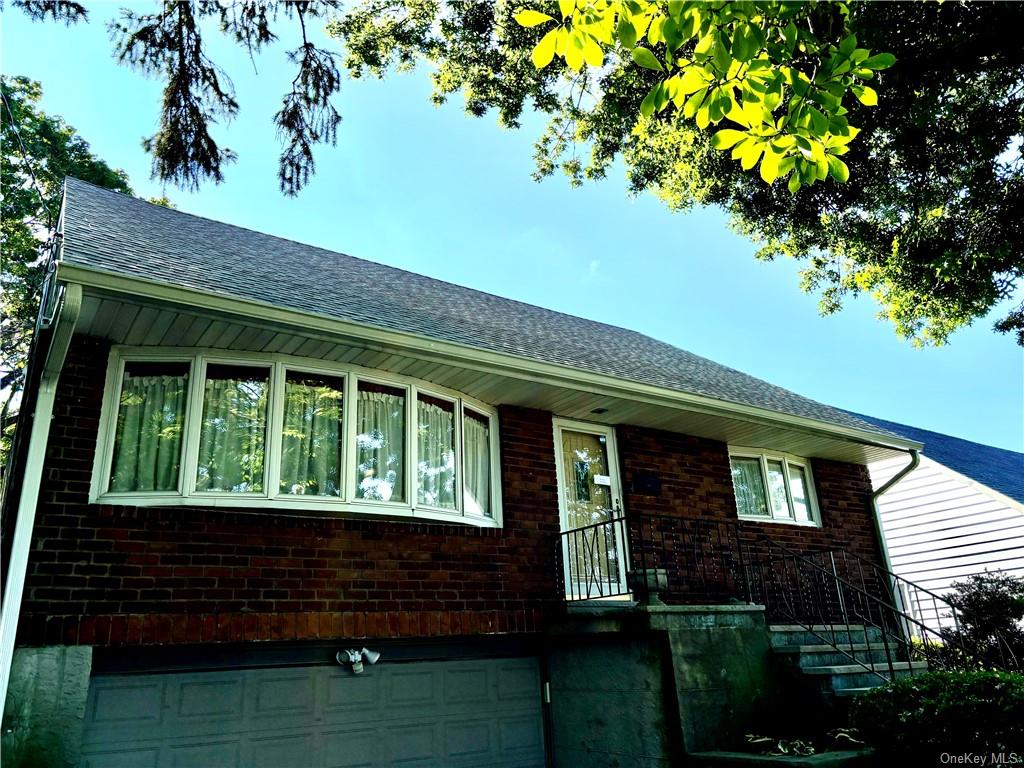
990	607
944	712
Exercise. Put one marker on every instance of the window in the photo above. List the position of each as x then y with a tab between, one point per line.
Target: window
312	434
476	449
380	443
773	487
435	436
150	421
186	427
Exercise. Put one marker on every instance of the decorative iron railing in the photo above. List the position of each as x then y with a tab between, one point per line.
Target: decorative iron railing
851	604
595	560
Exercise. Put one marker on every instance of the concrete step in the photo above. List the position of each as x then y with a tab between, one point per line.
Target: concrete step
817	634
851	692
839	677
824	655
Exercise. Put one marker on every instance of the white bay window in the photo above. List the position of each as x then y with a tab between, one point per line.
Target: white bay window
223	429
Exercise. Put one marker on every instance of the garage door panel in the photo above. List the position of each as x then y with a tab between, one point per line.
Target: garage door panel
462	714
277	749
411	744
208	753
350	748
131	758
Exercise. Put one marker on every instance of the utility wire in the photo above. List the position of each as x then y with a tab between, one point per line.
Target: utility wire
27	162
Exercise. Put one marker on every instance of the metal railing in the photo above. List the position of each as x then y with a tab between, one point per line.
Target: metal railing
859	620
699	561
595	560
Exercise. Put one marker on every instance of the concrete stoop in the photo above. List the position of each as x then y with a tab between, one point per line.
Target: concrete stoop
861	662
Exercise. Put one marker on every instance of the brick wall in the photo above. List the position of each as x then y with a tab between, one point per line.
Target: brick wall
113	574
143	575
696	484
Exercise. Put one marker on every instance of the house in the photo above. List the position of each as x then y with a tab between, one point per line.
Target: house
959	513
242	457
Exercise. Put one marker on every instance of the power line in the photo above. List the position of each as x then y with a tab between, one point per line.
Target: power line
26	161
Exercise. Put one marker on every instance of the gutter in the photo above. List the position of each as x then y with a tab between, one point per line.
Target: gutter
876	516
63	326
447	352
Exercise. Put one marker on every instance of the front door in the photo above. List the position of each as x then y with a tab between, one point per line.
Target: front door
593	529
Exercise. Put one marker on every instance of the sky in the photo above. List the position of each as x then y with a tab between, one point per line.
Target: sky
436	192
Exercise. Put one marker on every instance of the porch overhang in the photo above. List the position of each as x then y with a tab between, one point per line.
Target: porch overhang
141	313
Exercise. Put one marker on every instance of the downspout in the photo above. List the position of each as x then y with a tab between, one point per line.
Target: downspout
915	460
21	542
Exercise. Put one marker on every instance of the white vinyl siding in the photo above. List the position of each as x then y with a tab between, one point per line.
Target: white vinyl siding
941	527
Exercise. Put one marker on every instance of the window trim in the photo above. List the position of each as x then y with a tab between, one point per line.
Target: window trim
763	457
270	498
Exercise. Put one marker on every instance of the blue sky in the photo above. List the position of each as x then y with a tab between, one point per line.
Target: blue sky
433	191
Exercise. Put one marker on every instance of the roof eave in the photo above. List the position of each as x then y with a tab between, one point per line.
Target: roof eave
106	280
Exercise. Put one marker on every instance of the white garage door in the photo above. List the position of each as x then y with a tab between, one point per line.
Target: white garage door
452	713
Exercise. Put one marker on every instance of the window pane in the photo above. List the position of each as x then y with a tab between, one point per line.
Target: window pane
435	441
150	417
476	460
750	496
380	443
311	440
777	490
798	486
233	429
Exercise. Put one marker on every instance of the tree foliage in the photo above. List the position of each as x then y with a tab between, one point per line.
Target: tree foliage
930	221
777	72
168	44
37	152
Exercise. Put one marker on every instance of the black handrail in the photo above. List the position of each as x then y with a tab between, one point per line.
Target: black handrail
896	627
594	560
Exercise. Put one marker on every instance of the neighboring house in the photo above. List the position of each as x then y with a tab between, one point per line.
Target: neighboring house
241	455
959	513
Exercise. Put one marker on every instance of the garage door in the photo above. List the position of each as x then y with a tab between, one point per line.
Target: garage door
451	713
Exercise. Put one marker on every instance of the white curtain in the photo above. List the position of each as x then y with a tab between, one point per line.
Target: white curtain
310	445
147	446
476	451
436	455
231	441
749	485
380	444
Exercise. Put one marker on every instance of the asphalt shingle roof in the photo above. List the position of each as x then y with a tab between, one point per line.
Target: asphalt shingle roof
999	469
121	234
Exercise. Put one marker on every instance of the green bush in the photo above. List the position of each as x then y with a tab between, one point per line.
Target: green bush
944	712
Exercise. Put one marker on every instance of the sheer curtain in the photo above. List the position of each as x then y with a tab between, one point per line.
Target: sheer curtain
436	455
476	454
380	444
310	442
749	485
147	444
233	430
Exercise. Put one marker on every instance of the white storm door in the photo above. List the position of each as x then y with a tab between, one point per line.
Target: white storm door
594	550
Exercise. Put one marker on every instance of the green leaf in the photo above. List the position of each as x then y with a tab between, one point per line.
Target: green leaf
794	183
626	32
544	51
790	35
703	117
566	7
531	18
770	167
694	103
650	102
574	51
866	95
645	58
879	61
751	154
848	45
838	169
721	58
726	137
692	80
592	52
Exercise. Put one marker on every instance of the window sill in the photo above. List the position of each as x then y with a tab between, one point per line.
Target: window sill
776	521
292	506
